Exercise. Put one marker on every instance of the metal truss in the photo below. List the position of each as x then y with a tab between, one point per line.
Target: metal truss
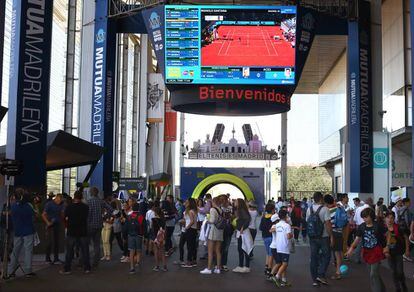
124	8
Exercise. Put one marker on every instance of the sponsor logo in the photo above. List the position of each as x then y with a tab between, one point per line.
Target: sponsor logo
100	36
155	20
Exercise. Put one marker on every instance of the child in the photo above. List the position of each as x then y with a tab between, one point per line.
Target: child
265	226
397	241
136	227
281	249
372	235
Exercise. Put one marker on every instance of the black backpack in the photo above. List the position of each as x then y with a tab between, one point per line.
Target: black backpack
314	224
221	221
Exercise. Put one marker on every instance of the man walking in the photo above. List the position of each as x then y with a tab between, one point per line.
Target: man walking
52	216
320	238
76	216
22	214
97	207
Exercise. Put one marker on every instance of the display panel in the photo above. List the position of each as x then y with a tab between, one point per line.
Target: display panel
230	44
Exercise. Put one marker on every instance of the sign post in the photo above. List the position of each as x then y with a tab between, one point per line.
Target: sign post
29	90
103	95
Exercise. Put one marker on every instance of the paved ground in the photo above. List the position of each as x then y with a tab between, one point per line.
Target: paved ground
113	276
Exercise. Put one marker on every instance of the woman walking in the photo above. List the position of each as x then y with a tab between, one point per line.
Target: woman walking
215	238
158	239
190	234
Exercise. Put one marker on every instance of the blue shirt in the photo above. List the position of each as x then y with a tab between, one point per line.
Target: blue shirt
22	217
54	211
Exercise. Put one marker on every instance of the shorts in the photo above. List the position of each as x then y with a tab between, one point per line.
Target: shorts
280	257
135	243
338	241
267	241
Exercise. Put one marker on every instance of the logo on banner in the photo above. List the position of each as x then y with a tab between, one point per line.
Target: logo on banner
100	36
155	100
380	158
155	20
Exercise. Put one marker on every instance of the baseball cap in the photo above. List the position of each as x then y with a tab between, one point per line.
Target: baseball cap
274	217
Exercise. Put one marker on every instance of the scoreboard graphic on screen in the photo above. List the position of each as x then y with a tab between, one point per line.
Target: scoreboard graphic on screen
230	44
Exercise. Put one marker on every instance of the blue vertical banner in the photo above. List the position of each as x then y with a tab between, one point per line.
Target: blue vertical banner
2	20
154	19
103	89
359	99
29	90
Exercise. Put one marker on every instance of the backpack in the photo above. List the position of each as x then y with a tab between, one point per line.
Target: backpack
315	224
402	223
221	222
136	224
341	218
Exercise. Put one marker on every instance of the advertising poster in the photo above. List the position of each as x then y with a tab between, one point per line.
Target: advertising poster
170	129
155	100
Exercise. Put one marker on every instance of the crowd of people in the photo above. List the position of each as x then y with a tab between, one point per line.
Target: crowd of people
336	233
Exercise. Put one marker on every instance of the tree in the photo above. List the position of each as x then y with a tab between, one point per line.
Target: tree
307	178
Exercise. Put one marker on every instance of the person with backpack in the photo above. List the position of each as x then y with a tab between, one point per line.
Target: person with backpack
136	227
339	220
265	226
397	240
157	237
215	238
405	219
371	235
319	226
242	226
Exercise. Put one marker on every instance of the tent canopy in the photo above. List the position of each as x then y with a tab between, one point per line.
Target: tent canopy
65	150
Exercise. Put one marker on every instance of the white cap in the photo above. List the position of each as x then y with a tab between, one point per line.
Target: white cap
274	218
395	198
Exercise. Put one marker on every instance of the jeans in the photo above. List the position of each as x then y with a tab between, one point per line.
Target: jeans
397	267
168	237
52	239
106	236
183	240
253	232
242	254
320	257
125	242
377	285
225	248
95	236
191	235
83	244
118	237
25	242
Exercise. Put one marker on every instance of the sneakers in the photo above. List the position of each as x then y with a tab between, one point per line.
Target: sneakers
238	270
132	271
246	270
122	258
276	281
315	284
187	265
156	269
87	271
63	272
206	271
125	260
165	269
322	281
285	283
193	265
29	275
217	271
408	259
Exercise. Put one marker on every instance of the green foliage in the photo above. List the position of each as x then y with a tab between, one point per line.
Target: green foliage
305	178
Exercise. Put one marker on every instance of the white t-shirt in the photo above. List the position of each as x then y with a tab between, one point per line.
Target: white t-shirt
282	241
273	244
148	217
253	214
357	217
396	210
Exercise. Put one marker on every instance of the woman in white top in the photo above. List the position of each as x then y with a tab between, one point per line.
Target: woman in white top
253	218
215	238
190	232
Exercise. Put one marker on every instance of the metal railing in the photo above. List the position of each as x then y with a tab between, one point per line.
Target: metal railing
338	8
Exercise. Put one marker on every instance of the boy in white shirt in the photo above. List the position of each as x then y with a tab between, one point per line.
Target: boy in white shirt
280	249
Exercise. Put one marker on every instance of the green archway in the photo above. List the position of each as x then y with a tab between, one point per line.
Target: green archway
219	178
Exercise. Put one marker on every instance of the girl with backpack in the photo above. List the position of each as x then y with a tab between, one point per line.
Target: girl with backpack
215	238
242	225
397	241
158	239
371	233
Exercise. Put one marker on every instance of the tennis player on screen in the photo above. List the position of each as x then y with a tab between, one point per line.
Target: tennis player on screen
215	33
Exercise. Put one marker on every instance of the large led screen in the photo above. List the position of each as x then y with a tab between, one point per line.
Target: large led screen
230	44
